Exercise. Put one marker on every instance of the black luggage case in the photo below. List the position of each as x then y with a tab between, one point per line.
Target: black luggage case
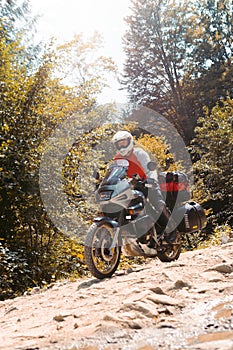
190	217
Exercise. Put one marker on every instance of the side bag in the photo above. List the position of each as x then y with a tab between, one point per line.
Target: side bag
190	217
174	187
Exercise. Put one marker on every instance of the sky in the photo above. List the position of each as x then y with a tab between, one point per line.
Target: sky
64	18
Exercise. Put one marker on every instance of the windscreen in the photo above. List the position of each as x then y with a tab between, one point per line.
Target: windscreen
115	172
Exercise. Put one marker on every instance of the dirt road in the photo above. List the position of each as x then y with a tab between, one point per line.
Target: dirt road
187	304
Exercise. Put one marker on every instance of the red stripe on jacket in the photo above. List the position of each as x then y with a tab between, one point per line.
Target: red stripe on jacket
135	166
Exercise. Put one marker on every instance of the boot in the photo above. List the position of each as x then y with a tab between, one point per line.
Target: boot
171	237
165	219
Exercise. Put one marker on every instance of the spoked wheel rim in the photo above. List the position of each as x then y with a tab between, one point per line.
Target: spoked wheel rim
172	250
104	258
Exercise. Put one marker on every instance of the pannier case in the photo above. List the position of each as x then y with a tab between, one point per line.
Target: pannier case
190	217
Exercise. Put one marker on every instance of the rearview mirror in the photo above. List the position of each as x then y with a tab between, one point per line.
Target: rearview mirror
96	175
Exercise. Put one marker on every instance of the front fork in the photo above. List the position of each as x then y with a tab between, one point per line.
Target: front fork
116	229
115	240
117	233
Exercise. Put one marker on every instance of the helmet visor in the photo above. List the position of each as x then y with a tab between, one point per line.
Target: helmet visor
122	143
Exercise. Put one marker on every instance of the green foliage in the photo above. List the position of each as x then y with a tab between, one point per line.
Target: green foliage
63	259
159	150
14	273
14	15
33	103
21	270
91	151
220	233
212	150
82	66
202	240
179	57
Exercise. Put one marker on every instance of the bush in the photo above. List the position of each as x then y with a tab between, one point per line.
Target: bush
14	273
213	156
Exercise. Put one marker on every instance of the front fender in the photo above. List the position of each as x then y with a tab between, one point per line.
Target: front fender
106	220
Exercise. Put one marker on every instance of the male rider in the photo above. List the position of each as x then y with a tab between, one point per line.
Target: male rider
138	160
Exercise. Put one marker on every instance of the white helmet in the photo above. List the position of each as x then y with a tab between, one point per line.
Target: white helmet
123	136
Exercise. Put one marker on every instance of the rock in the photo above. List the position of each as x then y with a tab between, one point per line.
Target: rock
179	284
134	324
110	317
223	268
59	318
224	238
165	299
145	308
166	324
212	276
35	290
214	340
157	290
167	310
129	270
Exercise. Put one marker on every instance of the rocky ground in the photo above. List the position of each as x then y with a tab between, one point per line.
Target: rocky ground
187	304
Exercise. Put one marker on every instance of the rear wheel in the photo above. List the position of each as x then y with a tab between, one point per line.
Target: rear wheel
102	260
170	253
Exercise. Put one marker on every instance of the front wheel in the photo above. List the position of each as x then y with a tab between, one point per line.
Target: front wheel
101	260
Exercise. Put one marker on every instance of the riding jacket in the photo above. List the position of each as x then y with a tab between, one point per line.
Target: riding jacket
138	160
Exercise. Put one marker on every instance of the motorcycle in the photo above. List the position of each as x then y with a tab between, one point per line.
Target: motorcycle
126	223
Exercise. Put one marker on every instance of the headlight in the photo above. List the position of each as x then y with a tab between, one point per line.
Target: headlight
105	195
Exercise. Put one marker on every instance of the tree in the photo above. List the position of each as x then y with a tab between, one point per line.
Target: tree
33	103
178	57
213	156
81	66
210	68
156	48
14	16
